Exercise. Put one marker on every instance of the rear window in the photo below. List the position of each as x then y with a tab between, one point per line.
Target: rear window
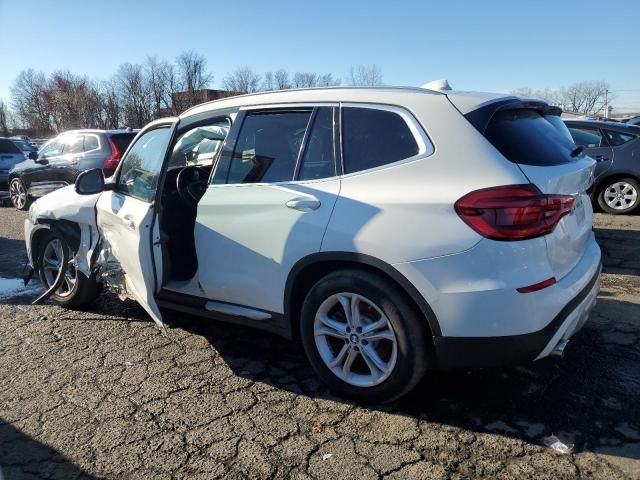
7	146
525	136
122	140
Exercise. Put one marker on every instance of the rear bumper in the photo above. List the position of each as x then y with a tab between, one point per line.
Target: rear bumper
459	352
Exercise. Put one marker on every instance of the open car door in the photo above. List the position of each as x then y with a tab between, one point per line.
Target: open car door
127	217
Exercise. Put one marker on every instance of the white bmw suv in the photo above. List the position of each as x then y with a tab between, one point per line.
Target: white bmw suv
390	230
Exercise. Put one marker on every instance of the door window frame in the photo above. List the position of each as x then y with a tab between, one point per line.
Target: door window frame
171	125
604	141
230	144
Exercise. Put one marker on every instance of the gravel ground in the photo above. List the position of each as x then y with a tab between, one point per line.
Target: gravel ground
103	393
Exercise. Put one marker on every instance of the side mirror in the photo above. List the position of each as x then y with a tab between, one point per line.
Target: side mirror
90	182
33	155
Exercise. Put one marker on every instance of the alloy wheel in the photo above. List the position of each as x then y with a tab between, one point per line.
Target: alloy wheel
52	258
355	339
18	194
620	196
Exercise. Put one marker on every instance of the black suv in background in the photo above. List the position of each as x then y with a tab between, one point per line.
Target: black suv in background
616	148
62	158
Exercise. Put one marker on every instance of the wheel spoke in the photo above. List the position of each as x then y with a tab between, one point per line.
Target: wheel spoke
337	327
374	326
346	367
340	356
382	335
376	373
355	311
346	307
369	354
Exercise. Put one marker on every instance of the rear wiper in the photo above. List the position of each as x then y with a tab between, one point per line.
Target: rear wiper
577	151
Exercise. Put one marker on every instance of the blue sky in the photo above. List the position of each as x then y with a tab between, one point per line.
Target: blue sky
481	45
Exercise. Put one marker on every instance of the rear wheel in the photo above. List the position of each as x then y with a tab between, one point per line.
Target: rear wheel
18	194
362	336
619	196
76	290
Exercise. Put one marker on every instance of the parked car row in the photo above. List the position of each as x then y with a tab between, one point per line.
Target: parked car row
389	230
62	158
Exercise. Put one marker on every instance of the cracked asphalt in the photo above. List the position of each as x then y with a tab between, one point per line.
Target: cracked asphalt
103	393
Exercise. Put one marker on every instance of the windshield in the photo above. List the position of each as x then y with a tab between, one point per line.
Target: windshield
24	146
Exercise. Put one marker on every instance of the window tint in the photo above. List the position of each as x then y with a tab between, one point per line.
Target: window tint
618	138
586	137
91	143
142	164
268	146
199	145
524	136
372	138
7	146
318	160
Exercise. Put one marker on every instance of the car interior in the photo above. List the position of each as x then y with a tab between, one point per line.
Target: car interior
185	182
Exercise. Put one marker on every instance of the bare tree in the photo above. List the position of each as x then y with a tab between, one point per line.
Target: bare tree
27	99
162	83
4	119
585	97
190	76
365	76
304	80
72	101
281	80
327	80
588	98
135	97
243	80
110	111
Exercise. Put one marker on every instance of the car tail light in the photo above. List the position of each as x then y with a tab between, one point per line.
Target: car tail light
112	162
513	212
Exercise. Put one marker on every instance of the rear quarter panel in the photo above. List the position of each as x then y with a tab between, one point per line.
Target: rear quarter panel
405	212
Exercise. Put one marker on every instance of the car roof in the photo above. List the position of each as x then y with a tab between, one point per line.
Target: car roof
310	95
97	130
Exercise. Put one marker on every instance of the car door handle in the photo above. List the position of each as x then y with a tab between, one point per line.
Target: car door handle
304	204
74	161
601	158
128	221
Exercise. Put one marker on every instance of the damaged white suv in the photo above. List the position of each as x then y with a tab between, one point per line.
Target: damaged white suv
391	230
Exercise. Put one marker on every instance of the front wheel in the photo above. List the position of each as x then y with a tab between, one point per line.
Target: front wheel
18	194
77	290
363	337
619	196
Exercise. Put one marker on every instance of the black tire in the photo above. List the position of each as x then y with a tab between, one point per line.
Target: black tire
16	185
410	328
608	184
85	289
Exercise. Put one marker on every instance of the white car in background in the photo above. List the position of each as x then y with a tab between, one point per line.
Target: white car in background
391	230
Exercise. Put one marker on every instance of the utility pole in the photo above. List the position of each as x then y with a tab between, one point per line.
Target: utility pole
606	104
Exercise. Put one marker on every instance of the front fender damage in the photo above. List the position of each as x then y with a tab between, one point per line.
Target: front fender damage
73	217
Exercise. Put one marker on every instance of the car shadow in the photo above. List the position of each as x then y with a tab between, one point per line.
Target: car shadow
23	457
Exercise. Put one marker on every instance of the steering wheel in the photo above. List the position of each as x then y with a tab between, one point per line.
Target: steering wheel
191	184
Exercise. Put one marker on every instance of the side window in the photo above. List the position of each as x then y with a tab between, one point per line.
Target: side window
74	144
618	138
90	143
141	166
199	145
586	137
54	147
373	137
318	159
268	146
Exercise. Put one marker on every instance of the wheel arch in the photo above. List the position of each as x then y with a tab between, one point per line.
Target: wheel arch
307	271
617	175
